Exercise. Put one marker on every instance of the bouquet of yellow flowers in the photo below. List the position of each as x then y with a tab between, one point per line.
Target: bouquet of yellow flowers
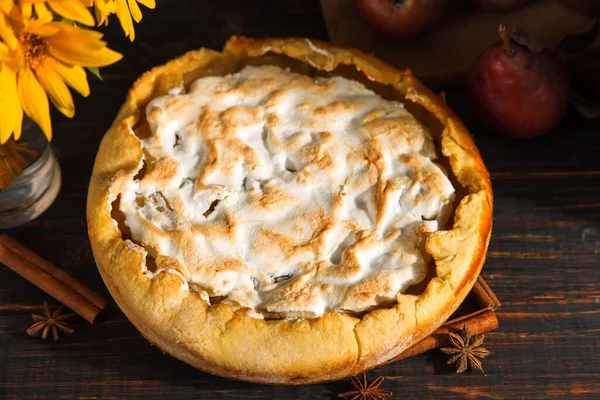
45	46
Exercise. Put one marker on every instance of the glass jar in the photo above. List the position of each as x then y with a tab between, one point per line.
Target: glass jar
32	192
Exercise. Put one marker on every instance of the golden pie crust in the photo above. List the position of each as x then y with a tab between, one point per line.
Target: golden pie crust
232	343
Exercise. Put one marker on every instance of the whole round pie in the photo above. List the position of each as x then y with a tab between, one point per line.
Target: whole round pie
287	211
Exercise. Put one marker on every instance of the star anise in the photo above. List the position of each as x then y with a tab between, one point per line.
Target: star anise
55	322
466	350
366	391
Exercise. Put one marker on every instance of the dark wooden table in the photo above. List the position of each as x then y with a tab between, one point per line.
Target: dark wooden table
543	260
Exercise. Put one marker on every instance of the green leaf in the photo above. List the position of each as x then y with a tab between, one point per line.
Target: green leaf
95	71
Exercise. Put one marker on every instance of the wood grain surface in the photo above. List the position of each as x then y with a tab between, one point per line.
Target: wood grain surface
543	260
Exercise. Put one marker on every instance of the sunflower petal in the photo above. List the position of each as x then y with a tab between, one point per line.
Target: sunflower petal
55	87
34	101
5	56
82	47
42	12
26	10
101	17
125	19
42	29
70	54
12	115
7	34
87	37
9	7
75	77
102	12
136	13
148	3
6	6
73	10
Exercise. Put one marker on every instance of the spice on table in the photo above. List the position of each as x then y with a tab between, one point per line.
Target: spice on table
466	350
484	295
479	322
366	391
54	322
51	279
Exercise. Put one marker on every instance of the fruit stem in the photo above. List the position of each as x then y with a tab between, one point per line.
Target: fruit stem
505	36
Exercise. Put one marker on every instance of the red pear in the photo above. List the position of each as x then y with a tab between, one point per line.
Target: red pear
519	88
401	18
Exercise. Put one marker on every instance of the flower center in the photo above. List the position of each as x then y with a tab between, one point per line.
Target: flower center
34	48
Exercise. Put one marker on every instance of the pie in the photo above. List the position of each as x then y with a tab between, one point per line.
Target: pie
287	211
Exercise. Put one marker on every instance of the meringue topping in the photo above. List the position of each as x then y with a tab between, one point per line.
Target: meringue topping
289	195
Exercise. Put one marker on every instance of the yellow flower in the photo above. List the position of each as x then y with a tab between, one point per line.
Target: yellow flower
40	59
125	10
74	10
6	6
103	9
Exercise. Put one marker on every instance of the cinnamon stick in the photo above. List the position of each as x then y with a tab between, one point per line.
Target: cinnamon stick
479	323
48	283
56	272
484	295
